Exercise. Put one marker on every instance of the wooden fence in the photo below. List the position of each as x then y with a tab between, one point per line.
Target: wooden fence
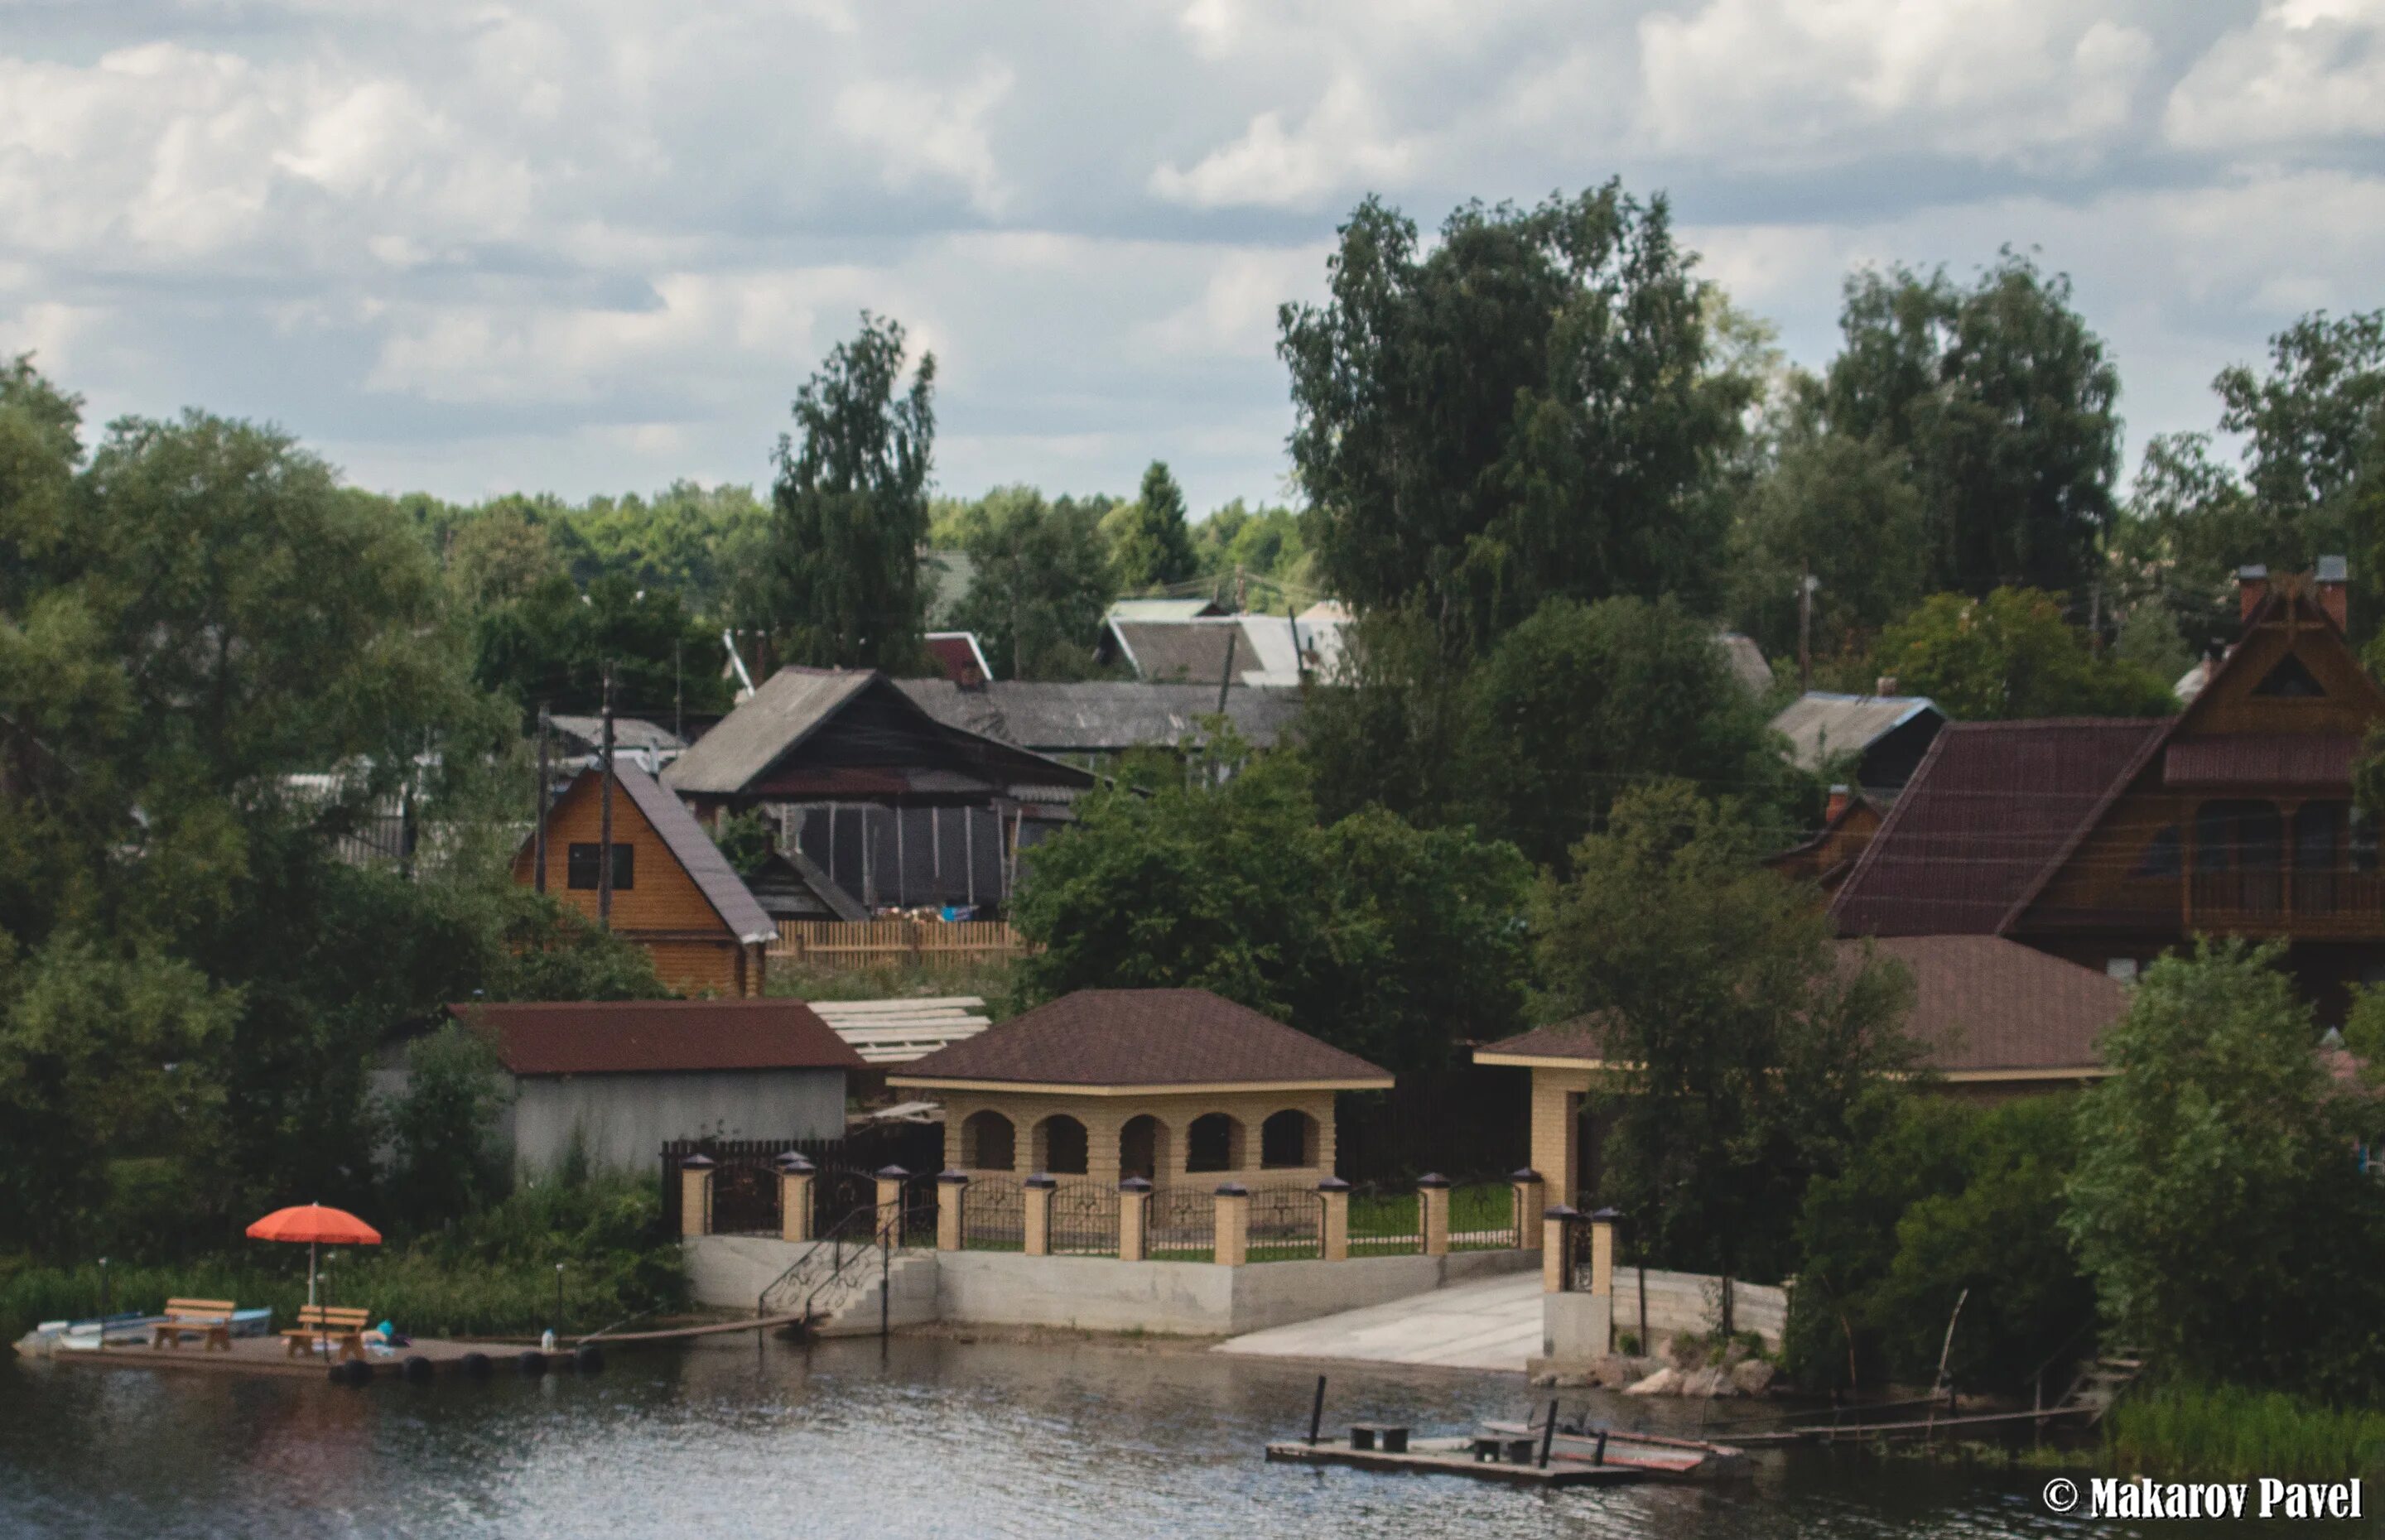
868	941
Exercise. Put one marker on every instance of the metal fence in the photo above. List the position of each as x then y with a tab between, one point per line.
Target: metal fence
1183	1225
1386	1222
993	1215
1482	1218
1287	1225
1084	1220
749	1166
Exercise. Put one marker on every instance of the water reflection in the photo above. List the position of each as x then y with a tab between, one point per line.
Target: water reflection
922	1437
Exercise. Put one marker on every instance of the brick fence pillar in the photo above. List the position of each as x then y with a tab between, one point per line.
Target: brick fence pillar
1134	1218
1432	1193
1038	1194
1529	1201
794	1197
1335	1226
890	1202
695	1195
1556	1247
1233	1225
1601	1251
952	1191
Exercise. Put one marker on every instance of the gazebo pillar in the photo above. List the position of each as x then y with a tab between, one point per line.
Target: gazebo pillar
1432	1193
1134	1218
1528	1204
890	1202
1233	1222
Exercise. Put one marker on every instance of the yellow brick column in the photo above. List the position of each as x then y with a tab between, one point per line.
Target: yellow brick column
1335	1193
1556	1247
796	1175
1530	1202
952	1191
1601	1251
1038	1194
1134	1218
1432	1193
890	1202
696	1196
1555	1133
1233	1225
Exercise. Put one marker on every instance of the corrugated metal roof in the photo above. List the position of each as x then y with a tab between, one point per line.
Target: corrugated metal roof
2316	760
1991	806
710	871
1819	724
1162	609
1746	661
776	717
1103	715
629	732
658	1036
1141	1038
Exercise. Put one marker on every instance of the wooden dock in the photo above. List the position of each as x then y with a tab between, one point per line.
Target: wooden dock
1438	1462
267	1358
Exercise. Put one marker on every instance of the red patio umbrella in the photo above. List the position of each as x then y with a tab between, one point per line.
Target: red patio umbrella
315	1224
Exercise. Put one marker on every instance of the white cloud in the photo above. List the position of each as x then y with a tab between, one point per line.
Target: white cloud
925	133
1342	144
2304	70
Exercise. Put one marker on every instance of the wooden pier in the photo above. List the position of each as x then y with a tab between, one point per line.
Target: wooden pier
1452	1462
268	1358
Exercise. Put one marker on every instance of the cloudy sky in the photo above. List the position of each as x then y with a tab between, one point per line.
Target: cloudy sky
474	245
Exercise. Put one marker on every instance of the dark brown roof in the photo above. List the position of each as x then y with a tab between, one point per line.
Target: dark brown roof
649	1035
2322	759
1141	1038
702	859
1991	807
1982	1006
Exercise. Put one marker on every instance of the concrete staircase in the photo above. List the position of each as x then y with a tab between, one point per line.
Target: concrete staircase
849	1305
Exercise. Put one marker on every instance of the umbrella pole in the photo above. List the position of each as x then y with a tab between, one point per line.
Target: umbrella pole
310	1273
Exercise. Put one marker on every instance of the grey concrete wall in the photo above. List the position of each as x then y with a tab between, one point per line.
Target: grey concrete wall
623	1121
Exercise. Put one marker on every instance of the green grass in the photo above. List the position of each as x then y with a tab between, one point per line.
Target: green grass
490	1274
2228	1432
893	979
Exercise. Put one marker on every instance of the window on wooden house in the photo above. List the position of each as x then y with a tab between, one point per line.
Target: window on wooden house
2291	679
2164	856
584	874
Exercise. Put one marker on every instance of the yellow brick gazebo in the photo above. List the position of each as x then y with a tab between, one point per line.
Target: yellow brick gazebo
1179	1086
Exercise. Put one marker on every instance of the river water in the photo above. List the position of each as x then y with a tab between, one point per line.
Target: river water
920	1437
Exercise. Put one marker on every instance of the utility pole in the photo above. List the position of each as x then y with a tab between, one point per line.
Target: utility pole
1226	677
604	816
2095	617
1806	586
545	781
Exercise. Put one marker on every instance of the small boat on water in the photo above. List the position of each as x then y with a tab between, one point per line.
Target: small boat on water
1656	1454
124	1328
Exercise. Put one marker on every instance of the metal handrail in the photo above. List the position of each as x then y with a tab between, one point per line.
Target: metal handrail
840	1232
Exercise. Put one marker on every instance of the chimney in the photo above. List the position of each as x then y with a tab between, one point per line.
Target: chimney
1838	804
2334	575
2252	586
1884	685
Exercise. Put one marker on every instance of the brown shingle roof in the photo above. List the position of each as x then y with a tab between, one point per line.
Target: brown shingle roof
1992	805
1141	1038
698	855
649	1035
1984	1006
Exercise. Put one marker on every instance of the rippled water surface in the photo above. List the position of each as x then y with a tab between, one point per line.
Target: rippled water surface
918	1438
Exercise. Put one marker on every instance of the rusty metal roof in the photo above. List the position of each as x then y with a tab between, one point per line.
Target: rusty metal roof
658	1036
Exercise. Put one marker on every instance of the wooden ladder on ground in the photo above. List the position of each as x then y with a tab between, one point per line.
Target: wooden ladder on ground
2100	1382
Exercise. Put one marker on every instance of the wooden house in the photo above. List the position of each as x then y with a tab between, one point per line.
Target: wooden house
2109	842
896	808
674	893
1826	859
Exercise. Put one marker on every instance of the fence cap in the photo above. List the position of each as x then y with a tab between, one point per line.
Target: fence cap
1233	1189
1135	1184
893	1173
698	1162
952	1178
1042	1179
1561	1210
794	1163
1432	1179
1333	1184
1527	1174
1605	1216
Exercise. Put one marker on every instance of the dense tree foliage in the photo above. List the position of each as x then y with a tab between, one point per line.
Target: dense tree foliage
1751	1045
1394	943
1939	1198
1150	546
1842	511
553	645
1525	410
1042	583
2012	655
850	507
2216	1203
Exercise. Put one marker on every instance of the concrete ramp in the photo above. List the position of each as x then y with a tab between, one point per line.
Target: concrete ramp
1492	1323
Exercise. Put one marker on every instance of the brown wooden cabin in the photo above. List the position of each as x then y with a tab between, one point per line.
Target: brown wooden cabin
1826	859
2109	842
674	893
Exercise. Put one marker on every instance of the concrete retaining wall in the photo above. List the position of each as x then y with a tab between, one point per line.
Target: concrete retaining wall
1004	1289
1692	1302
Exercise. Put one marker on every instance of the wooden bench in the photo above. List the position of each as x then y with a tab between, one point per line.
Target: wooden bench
209	1319
1392	1438
323	1323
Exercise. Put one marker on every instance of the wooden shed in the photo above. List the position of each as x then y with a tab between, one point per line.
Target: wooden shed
674	893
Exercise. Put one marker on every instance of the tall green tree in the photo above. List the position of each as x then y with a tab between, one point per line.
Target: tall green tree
2012	655
1041	585
552	646
850	506
1529	409
1842	511
2002	402
1151	546
1750	1047
2216	1203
